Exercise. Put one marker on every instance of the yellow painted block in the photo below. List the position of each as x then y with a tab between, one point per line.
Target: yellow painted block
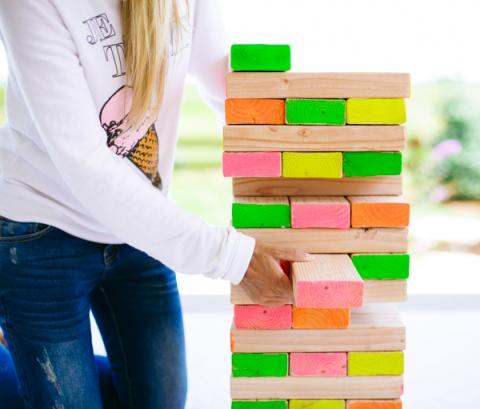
386	111
312	165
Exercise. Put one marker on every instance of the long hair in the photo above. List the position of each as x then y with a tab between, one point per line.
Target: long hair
148	26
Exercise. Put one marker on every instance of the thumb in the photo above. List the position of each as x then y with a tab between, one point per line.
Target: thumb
291	254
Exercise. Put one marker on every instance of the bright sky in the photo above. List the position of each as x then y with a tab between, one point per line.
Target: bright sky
429	38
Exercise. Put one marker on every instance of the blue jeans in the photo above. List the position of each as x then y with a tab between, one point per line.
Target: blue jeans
50	281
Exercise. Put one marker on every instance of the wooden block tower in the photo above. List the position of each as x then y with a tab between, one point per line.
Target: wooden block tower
316	164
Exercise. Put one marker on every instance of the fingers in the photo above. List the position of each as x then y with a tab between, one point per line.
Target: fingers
291	254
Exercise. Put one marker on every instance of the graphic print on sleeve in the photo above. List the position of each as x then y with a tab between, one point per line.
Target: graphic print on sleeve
140	144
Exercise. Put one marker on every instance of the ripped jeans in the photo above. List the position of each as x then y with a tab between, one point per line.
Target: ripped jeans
49	282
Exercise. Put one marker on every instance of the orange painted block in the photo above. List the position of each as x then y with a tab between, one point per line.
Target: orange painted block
321	318
379	211
255	111
375	404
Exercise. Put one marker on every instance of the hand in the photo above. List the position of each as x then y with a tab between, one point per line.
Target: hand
265	282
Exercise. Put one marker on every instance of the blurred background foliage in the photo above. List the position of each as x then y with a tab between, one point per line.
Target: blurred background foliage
442	162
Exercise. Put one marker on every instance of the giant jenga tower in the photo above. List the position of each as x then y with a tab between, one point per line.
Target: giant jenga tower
316	164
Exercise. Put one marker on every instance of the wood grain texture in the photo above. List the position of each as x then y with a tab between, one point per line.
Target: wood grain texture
386	111
318	364
258	186
327	212
257	164
259	404
260	57
254	111
382	266
375	404
259	365
374	292
292	387
320	318
312	165
389	363
379	211
377	240
261	317
380	291
330	281
315	111
316	404
318	85
268	212
313	138
372	164
368	330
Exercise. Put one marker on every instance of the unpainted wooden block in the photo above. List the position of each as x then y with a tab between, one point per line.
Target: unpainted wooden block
328	212
239	111
376	185
382	111
315	111
260	57
372	164
259	404
313	387
371	328
379	211
316	404
317	85
312	165
375	404
330	281
374	291
382	266
314	138
256	164
375	363
262	317
318	364
336	241
259	365
320	318
268	212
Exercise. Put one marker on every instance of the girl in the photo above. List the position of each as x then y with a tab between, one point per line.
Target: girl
85	162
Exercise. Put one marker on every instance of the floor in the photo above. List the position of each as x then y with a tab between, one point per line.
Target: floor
442	360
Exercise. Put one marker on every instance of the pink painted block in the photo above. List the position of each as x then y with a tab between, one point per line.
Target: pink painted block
318	364
261	317
252	164
320	212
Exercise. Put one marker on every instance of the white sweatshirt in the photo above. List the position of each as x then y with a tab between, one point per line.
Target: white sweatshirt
65	158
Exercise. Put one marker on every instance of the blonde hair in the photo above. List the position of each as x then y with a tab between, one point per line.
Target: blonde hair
148	26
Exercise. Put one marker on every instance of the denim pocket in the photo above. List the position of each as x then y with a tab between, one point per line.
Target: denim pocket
12	232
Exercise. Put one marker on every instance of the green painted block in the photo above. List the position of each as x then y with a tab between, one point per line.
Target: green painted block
375	363
260	404
256	365
326	165
372	163
317	404
315	111
260	57
382	266
387	111
246	215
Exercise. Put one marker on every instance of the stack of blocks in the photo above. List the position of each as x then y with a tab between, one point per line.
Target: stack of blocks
316	164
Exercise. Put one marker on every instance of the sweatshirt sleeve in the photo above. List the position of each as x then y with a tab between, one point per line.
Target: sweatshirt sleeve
44	63
209	57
